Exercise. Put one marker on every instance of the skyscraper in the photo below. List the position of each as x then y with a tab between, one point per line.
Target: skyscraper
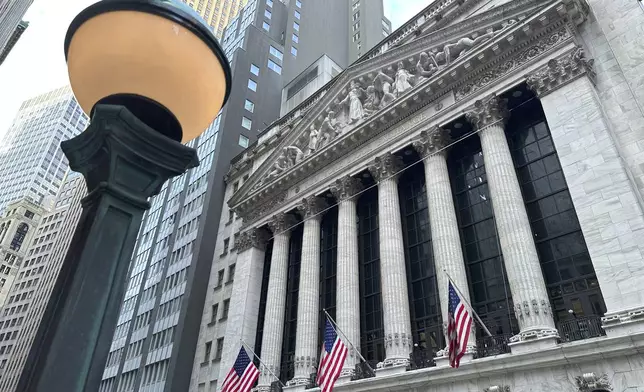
11	13
28	295
217	13
11	42
32	165
158	328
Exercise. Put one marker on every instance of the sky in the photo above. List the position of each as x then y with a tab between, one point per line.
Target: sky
37	63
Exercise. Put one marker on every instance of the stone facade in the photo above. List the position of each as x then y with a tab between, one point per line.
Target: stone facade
359	133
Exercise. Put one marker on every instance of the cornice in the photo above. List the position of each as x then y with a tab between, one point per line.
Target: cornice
513	43
560	72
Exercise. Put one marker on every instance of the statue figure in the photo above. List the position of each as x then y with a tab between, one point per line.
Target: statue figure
403	78
313	140
328	130
356	112
293	155
280	165
462	46
382	82
425	68
372	101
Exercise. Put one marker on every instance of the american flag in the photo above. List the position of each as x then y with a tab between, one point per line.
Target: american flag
242	375
334	352
458	327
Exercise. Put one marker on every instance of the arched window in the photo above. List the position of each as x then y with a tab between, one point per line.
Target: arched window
19	237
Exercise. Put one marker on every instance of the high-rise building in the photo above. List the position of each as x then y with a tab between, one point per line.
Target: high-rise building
32	165
217	13
11	13
30	292
495	144
17	227
159	323
13	39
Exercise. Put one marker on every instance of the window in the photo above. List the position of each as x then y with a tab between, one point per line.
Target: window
236	186
356	26
266	26
247	123
29	214
254	69
296	26
213	313
276	53
267	14
269	3
295	38
298	3
274	67
297	14
231	215
249	105
252	85
356	5
220	349
243	142
356	37
226	243
231	271
356	16
224	313
293	50
220	278
206	354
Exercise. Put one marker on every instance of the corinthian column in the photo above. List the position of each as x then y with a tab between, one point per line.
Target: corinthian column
308	300
244	301
393	275
276	299
531	303
347	303
446	241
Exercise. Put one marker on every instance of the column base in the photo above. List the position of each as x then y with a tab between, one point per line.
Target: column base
534	340
442	356
298	381
392	366
627	322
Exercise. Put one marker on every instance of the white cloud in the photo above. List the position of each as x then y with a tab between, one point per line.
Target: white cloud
400	11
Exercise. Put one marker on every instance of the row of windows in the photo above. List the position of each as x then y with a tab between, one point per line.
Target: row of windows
218	351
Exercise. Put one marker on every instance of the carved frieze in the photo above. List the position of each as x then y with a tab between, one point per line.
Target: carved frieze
252	238
312	207
487	111
431	141
386	166
561	71
589	382
346	187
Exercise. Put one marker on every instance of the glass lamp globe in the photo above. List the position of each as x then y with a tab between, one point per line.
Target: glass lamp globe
157	58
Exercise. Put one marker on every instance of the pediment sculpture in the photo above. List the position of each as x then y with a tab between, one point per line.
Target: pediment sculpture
368	94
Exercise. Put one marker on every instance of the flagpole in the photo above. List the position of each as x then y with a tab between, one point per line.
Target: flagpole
467	303
348	341
260	361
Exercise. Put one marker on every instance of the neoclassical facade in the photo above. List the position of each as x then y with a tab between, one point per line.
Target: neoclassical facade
494	143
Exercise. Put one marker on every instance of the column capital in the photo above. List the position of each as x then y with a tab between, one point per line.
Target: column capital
252	238
431	140
346	188
488	111
311	207
385	166
281	221
560	71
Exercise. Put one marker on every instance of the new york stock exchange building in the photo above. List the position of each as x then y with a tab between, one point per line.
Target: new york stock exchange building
499	144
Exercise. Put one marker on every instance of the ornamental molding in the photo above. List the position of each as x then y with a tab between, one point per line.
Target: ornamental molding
251	214
624	317
252	238
312	207
281	222
346	188
316	144
431	141
488	111
590	382
560	72
386	166
497	388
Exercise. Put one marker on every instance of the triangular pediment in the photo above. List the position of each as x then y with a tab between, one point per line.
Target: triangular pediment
369	91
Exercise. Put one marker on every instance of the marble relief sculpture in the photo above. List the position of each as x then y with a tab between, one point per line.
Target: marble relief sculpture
372	101
353	100
313	140
383	83
425	68
454	50
329	129
403	80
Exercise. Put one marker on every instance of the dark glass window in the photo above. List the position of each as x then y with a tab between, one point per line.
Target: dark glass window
328	268
372	345
262	300
421	273
19	237
287	369
565	262
489	291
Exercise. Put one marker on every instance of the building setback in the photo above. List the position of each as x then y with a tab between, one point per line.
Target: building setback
32	165
28	295
496	144
158	327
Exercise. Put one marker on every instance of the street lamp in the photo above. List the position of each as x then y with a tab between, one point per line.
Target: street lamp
151	75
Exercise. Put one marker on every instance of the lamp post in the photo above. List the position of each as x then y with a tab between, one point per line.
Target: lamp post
151	75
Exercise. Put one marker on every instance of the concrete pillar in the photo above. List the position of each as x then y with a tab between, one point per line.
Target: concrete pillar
531	303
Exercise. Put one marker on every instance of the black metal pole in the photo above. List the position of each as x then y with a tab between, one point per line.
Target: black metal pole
124	162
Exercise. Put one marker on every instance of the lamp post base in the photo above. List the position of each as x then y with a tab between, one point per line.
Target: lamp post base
124	163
